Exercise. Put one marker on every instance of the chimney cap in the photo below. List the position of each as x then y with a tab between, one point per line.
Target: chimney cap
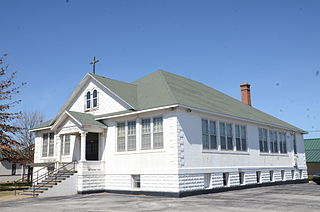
245	84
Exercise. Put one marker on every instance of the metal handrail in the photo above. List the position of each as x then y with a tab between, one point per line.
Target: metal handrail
51	173
23	177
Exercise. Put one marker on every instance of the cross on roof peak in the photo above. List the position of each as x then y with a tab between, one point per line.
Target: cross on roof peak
93	63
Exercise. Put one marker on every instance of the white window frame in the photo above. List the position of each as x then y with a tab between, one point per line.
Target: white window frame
124	136
149	134
91	100
160	132
263	142
49	147
241	137
128	134
210	134
64	153
97	98
226	136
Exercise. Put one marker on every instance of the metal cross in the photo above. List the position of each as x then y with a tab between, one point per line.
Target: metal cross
93	63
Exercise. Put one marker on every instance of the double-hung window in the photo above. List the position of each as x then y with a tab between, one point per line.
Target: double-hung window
241	137
47	145
209	134
121	136
66	145
226	136
157	133
283	143
263	140
131	132
273	135
51	144
45	141
145	134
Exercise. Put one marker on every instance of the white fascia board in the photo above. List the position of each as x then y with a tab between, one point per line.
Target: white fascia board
61	117
39	129
242	119
110	91
137	112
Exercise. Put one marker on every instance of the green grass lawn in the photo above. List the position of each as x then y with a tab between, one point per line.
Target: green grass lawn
4	187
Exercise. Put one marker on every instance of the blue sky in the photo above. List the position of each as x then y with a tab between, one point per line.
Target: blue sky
273	45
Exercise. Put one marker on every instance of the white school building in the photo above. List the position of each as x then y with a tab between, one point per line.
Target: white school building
163	134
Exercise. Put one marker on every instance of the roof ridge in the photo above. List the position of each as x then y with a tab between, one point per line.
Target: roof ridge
167	85
96	75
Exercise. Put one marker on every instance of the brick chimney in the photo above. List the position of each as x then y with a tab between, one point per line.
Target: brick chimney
245	93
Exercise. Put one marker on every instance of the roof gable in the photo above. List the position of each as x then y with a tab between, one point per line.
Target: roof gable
125	91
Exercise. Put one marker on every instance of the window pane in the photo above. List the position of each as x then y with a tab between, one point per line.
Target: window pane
95	94
121	132
51	144
45	145
212	127
66	150
88	100
204	126
145	131
212	135
157	133
131	135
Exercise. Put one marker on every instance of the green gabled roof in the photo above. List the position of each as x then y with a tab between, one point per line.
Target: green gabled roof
312	150
162	88
126	91
86	119
43	125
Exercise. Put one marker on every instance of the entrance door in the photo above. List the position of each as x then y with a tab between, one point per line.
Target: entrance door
92	146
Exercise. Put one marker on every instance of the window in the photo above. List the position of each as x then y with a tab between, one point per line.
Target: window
241	137
131	135
205	134
225	178
273	141
94	98
157	133
226	136
241	178
66	145
145	134
271	176
294	143
258	174
136	183
207	180
209	134
283	143
51	144
301	174
88	100
45	145
121	136
263	140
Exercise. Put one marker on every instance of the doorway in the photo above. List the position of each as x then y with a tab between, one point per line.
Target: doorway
92	146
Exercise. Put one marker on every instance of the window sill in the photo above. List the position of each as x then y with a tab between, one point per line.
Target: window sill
140	152
273	154
225	152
